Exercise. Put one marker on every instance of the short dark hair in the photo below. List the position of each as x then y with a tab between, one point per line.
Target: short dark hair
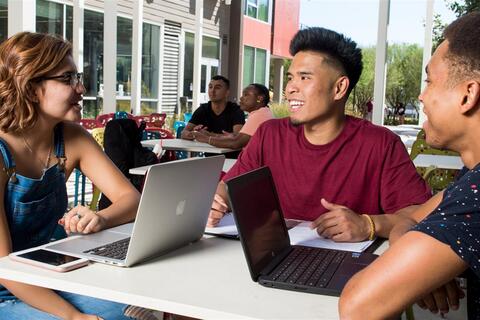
341	52
262	91
222	78
463	56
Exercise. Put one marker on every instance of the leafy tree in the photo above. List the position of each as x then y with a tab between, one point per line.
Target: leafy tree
460	8
363	91
404	74
463	7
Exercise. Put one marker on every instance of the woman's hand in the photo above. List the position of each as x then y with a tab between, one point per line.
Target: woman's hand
82	220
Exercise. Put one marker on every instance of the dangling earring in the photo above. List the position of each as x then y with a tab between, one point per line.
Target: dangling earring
258	100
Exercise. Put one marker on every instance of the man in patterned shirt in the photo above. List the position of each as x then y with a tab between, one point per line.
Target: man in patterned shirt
443	238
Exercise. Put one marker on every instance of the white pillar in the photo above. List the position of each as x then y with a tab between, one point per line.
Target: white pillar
278	80
110	56
137	57
381	62
78	12
197	53
21	16
427	51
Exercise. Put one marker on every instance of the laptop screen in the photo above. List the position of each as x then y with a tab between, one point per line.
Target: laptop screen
258	217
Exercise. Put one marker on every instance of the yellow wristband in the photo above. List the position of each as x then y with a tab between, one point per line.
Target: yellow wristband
371	236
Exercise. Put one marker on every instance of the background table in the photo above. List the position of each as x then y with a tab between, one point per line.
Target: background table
438	161
143	170
185	145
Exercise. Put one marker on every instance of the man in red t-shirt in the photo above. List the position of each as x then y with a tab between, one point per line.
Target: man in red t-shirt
352	179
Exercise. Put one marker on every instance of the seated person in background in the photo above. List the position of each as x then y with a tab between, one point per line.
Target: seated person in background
254	101
40	146
218	115
340	172
442	239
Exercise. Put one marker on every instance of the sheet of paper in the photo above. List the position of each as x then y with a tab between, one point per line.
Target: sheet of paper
226	226
304	236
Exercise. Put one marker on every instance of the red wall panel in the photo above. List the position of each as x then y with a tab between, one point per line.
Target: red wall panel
285	25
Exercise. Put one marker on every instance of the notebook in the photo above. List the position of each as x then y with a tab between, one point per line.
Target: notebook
272	260
173	212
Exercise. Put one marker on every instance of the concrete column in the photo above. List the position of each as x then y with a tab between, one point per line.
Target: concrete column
137	56
110	56
381	62
278	80
21	16
78	14
197	53
427	51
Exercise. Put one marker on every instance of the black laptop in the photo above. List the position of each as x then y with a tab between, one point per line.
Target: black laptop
272	260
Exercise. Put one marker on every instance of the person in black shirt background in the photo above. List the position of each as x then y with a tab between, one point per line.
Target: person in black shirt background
217	115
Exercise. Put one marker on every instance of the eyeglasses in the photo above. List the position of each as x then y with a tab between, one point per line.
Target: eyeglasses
70	78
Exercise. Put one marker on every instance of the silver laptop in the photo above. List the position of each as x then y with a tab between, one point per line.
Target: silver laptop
173	212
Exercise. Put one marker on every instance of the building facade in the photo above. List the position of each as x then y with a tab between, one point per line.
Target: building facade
141	56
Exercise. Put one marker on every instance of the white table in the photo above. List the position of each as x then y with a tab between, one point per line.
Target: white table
143	170
438	161
208	280
185	145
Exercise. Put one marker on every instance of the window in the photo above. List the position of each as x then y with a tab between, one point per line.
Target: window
257	9
150	61
92	62
210	49
3	20
254	65
51	18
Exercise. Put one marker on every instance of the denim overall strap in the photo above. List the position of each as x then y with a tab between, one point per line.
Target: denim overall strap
8	161
59	146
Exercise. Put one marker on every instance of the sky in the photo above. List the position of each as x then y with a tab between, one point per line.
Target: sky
358	19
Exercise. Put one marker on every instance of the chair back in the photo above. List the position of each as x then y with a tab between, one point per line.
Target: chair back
98	134
104	118
123	115
437	178
89	124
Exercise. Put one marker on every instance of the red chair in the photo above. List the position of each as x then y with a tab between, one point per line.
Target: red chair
104	118
90	124
157	120
159	133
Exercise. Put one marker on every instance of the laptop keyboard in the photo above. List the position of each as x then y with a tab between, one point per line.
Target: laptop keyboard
308	266
114	250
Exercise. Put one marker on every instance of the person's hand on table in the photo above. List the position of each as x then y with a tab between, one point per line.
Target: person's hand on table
219	207
82	220
200	136
443	299
341	224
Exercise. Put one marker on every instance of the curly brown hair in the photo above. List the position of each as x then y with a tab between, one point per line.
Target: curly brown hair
24	58
463	57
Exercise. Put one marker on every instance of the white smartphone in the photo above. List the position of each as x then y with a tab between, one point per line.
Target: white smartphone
43	258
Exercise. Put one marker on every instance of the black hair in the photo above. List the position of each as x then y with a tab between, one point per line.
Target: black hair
262	91
222	78
341	52
463	56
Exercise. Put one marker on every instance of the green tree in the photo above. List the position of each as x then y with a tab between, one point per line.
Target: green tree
404	74
363	91
460	8
463	7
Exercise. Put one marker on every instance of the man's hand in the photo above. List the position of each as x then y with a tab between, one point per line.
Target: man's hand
200	136
443	299
341	224
219	207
